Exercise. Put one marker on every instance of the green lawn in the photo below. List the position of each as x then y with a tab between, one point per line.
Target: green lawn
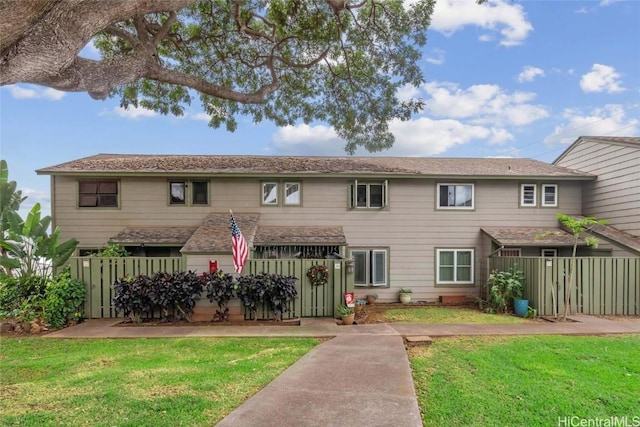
136	382
447	315
527	381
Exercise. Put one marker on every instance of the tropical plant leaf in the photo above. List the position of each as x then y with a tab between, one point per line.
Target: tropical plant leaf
32	221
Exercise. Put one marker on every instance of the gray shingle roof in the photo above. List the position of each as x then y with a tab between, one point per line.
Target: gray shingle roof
153	235
300	235
214	234
530	236
119	164
616	236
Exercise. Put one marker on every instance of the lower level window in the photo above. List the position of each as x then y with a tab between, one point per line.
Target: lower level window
370	267
454	266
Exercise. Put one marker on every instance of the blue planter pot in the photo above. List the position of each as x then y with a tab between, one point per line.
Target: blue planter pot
520	307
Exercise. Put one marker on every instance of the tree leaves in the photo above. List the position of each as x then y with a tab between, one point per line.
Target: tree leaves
286	61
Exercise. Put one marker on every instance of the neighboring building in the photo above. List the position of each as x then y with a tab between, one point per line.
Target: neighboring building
423	223
614	195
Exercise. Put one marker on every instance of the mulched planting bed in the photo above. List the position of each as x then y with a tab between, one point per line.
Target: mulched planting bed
155	322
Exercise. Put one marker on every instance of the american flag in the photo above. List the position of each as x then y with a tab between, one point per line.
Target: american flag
238	246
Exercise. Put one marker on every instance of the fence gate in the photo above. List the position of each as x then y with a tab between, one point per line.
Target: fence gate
312	301
98	275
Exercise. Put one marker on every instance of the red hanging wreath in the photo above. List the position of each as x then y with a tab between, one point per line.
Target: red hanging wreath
318	275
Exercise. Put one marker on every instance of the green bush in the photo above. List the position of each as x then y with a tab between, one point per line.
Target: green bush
63	300
15	291
503	287
112	251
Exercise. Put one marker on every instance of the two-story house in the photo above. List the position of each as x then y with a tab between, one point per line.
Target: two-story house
614	195
423	223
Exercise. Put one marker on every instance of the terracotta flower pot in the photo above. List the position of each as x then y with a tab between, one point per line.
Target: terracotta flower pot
348	319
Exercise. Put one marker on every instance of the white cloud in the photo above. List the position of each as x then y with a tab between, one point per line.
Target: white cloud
602	78
482	104
420	137
133	112
500	136
428	137
35	92
610	120
408	92
529	73
200	116
506	18
308	140
436	57
33	197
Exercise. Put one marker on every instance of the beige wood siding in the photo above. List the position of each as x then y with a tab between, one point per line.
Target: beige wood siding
615	195
411	227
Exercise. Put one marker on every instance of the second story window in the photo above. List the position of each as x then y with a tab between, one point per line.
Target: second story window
185	192
98	194
549	195
528	195
269	193
455	196
278	193
177	191
368	195
291	193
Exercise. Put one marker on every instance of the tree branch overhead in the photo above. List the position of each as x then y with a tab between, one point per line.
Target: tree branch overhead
284	60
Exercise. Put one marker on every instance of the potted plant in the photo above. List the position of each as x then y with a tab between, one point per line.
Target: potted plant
371	298
405	295
346	314
360	303
505	291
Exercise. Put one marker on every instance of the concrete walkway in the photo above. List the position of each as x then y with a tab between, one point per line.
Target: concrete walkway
360	377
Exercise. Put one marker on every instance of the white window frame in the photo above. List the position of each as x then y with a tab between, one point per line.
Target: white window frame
555	195
262	193
286	187
353	194
523	202
456	184
455	267
502	252
544	252
370	267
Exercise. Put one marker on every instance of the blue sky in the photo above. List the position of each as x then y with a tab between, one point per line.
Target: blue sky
516	79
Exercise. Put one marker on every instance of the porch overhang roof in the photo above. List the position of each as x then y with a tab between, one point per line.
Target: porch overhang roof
617	237
214	234
136	236
273	235
530	236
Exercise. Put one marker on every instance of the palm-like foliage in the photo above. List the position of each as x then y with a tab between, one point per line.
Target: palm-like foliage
26	247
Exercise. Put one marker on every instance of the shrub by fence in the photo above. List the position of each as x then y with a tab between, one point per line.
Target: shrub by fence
174	295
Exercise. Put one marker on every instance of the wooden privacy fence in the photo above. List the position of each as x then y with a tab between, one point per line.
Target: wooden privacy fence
602	285
99	274
312	301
